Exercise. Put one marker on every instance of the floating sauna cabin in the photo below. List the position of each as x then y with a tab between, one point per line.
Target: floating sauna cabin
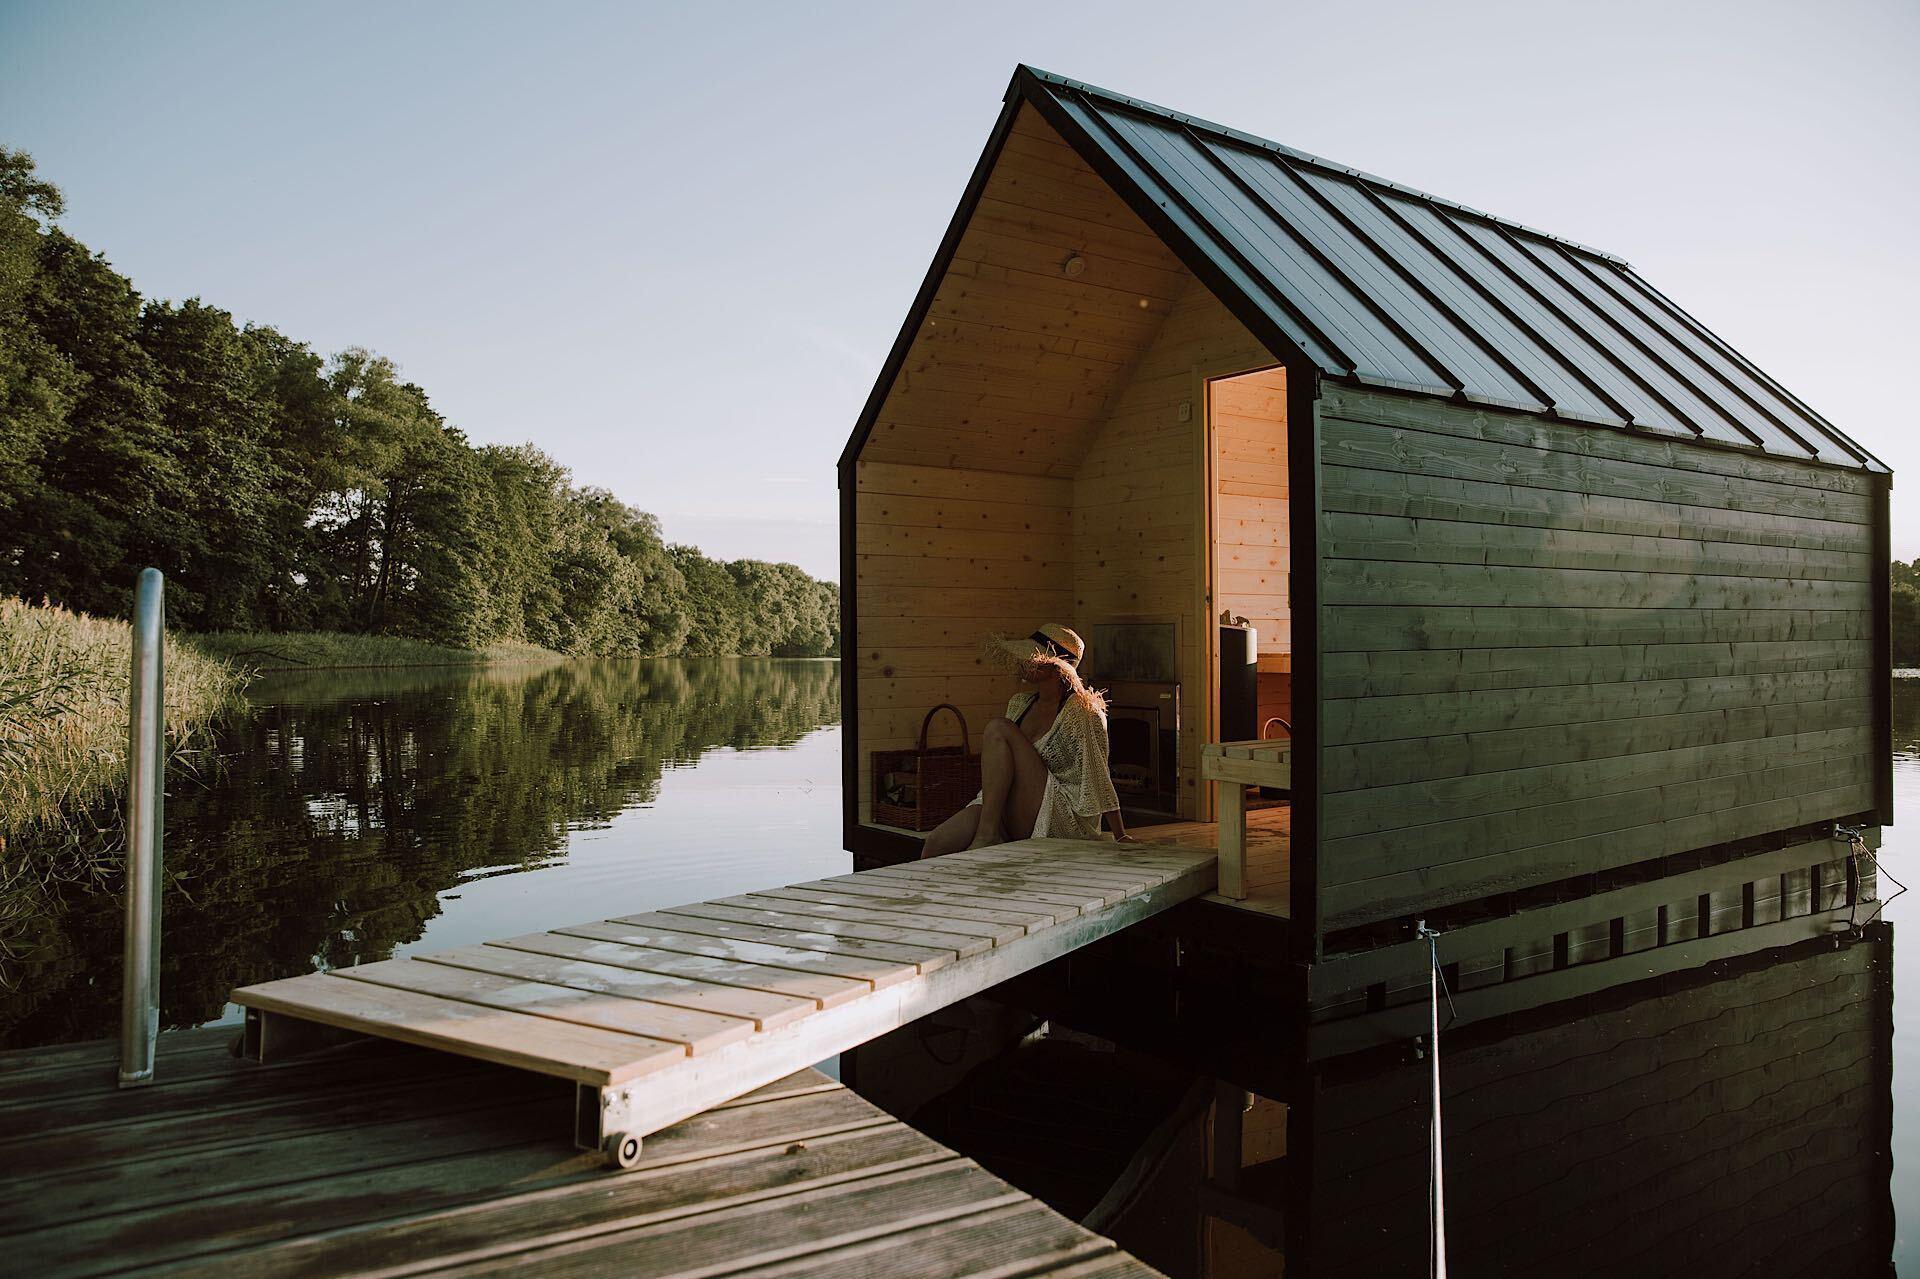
1544	579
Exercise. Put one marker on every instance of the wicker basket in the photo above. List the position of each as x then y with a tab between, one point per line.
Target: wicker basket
920	788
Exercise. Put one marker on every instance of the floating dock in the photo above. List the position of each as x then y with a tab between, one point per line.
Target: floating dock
657	1017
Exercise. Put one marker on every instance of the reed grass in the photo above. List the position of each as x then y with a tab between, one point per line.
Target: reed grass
332	650
63	711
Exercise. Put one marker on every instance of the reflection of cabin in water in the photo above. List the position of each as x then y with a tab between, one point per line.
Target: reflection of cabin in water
1547	579
1730	1118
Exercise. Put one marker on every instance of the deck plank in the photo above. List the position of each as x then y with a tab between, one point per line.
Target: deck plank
1011	882
877	973
581	1053
1062	906
826	990
1030	915
921	958
802	919
865	912
696	1032
761	1232
999	925
764	1009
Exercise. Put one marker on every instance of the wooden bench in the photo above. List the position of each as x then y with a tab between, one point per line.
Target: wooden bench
1232	767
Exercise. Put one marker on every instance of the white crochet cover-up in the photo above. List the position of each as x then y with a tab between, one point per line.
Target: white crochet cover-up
1079	788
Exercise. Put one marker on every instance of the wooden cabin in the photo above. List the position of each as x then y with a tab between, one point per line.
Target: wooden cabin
1550	587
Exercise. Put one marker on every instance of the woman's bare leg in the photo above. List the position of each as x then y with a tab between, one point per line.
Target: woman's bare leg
953	834
1013	779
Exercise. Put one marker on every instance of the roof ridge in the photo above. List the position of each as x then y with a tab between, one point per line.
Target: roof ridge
1306	157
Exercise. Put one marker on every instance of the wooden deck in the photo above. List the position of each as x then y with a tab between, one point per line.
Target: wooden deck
376	1157
1268	831
659	1016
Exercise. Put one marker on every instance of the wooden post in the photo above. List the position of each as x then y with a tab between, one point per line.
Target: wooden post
1231	803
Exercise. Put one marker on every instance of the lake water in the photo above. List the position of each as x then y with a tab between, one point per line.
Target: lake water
1757	1117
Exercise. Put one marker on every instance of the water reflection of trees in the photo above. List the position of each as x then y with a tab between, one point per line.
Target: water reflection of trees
348	802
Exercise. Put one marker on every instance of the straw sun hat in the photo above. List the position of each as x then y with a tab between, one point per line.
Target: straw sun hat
1060	641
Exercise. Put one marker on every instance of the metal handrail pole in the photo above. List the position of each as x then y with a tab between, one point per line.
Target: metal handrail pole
146	798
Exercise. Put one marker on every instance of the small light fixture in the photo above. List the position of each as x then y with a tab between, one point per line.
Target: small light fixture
1143	304
1074	267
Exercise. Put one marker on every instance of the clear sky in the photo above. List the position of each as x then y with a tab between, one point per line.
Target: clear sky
671	244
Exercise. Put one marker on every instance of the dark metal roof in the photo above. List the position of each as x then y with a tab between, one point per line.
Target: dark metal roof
1378	284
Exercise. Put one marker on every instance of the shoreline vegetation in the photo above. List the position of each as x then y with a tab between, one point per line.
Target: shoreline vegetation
264	652
63	719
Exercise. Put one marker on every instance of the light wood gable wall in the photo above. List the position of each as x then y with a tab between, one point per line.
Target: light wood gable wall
964	490
1550	650
1041	453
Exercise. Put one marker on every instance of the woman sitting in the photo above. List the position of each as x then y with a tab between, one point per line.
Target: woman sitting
1043	767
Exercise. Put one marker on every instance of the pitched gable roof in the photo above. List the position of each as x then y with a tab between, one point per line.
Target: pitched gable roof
1378	284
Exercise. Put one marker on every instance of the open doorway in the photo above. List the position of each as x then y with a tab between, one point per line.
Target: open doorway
1247	474
1248	521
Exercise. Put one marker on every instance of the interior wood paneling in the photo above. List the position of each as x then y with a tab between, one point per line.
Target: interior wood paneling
945	557
1140	506
1055	289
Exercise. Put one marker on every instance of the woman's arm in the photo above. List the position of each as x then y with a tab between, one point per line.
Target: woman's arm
1118	826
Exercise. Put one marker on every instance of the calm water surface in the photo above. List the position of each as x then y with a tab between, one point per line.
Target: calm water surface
357	815
1732	1122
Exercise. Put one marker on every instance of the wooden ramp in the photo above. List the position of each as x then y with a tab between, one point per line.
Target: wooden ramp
659	1016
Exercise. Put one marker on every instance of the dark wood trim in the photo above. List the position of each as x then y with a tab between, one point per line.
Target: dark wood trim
849	661
1883	647
1303	600
1262	942
873	847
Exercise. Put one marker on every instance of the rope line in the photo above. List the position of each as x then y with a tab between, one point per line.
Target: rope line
1857	852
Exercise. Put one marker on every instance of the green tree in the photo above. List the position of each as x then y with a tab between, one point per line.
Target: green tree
280	491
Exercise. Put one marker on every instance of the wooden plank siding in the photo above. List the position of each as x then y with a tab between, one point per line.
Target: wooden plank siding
1551	650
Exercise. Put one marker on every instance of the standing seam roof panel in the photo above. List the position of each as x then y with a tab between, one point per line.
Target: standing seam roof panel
1384	278
1283	310
1795	411
1679	407
1575	347
1260	240
1470	300
1381	284
1769	417
1717	420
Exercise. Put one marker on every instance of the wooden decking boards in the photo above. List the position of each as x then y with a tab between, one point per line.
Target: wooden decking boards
375	1157
660	1015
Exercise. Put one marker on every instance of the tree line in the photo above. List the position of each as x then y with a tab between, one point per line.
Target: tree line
1904	581
280	490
